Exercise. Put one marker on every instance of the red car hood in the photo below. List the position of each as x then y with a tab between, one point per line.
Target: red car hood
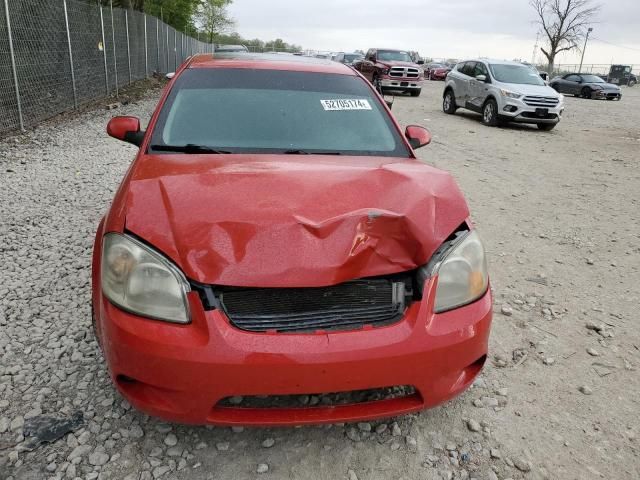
304	221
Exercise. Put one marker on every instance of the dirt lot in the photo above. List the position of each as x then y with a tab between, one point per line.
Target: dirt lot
559	398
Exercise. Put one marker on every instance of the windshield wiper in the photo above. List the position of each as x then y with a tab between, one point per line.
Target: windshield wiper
188	148
304	152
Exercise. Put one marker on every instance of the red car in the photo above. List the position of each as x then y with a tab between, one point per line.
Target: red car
437	71
277	255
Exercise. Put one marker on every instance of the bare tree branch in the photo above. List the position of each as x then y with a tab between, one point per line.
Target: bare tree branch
564	23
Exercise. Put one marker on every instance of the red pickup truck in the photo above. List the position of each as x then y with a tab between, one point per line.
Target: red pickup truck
389	69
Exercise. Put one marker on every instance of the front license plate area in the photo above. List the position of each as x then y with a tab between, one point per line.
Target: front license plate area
404	84
542	112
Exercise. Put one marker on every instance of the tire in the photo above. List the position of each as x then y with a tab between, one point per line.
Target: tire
546	127
586	93
631	83
377	84
415	93
490	113
449	102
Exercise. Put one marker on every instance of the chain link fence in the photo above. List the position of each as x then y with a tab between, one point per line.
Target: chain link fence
56	55
595	68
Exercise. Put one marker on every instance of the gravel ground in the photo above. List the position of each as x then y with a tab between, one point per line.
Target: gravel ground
558	399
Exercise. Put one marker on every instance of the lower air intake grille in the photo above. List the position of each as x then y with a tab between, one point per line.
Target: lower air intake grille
346	306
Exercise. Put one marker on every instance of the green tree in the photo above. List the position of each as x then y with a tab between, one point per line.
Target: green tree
179	14
213	19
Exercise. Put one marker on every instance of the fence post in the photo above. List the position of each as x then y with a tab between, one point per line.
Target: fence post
126	22
175	50
13	66
73	75
158	45
146	47
104	51
113	36
167	28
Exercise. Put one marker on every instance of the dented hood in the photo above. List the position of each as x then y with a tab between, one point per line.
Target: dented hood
270	221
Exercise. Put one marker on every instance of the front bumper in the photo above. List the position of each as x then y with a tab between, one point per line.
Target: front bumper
398	83
516	110
181	373
606	94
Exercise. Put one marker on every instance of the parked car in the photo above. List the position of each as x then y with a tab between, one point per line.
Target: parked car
621	75
436	71
348	58
230	48
390	69
502	92
586	86
276	237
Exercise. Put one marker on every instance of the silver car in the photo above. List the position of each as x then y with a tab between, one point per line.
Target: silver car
502	92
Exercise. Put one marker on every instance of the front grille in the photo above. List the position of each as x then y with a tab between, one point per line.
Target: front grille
536	101
318	400
347	306
404	72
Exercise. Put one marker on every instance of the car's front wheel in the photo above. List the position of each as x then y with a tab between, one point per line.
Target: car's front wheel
586	92
546	127
490	113
631	83
377	84
449	102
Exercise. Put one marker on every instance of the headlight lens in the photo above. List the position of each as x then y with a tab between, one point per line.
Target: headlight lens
507	93
462	272
140	280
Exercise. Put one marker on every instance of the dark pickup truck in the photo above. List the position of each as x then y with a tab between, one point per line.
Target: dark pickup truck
389	69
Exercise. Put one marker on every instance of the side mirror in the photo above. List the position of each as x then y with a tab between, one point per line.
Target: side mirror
420	62
418	136
481	78
126	129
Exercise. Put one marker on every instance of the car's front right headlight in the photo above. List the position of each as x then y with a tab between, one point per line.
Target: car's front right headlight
140	280
461	267
509	94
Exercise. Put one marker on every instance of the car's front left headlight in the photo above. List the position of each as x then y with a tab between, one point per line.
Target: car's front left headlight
142	281
507	93
461	267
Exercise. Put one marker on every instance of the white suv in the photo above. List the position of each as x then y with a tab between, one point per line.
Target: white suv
502	92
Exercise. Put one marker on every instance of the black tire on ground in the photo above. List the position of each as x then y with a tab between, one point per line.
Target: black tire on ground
490	113
631	83
415	93
546	127
376	84
586	92
449	102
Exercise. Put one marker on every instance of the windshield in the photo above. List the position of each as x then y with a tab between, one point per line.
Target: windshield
591	79
436	65
394	56
515	74
352	58
275	111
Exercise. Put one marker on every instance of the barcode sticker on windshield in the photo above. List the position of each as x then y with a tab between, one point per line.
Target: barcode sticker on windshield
346	104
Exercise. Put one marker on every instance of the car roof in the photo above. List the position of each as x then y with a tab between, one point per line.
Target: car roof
265	61
492	61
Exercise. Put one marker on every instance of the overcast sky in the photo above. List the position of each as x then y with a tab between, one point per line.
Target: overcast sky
443	28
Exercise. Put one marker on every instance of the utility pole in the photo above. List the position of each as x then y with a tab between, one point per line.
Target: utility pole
584	48
535	49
